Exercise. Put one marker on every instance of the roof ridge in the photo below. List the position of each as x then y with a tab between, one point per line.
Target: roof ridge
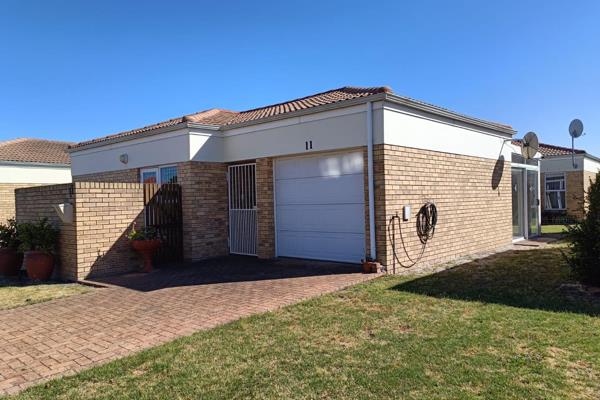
25	139
554	146
380	89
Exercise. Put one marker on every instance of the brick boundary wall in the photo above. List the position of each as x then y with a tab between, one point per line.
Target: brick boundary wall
473	197
35	203
104	214
95	243
7	199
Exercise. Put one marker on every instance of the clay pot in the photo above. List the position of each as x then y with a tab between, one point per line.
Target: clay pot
39	265
370	267
10	262
146	248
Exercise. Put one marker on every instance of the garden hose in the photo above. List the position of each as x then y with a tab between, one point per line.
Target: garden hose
426	222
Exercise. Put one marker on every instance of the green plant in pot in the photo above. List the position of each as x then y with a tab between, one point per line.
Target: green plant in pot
38	243
145	242
10	258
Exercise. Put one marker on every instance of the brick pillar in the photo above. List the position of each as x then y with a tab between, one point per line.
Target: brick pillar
265	210
204	207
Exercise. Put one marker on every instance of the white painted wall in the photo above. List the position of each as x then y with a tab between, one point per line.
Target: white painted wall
167	148
21	173
409	128
329	130
591	165
561	164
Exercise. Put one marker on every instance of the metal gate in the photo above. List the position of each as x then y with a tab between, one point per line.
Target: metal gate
162	211
242	209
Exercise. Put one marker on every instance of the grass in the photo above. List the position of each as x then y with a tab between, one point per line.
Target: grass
498	328
549	229
17	296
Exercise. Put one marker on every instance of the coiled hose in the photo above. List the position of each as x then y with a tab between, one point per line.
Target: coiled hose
426	222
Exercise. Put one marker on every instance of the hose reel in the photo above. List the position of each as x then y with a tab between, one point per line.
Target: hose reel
425	228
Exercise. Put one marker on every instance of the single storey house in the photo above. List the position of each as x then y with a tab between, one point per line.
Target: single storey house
339	175
30	162
565	177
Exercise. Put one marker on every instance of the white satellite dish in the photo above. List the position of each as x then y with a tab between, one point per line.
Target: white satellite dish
530	146
576	128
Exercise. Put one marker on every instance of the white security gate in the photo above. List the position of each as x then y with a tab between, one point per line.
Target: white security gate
320	207
242	209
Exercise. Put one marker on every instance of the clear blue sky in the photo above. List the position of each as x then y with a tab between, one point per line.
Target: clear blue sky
75	70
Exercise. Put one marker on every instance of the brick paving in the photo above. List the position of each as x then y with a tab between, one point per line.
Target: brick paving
137	311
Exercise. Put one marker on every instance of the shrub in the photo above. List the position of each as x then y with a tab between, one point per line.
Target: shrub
38	236
585	239
8	235
147	233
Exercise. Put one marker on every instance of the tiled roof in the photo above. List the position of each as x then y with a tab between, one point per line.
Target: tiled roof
221	117
224	118
35	151
548	150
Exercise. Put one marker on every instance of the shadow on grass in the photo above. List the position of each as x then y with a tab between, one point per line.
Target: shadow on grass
536	279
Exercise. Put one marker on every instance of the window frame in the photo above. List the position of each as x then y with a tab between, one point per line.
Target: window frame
156	170
548	206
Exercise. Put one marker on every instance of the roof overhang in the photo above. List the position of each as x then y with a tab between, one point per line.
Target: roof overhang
33	164
152	132
400	100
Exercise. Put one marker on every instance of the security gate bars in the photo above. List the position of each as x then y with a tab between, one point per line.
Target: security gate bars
242	209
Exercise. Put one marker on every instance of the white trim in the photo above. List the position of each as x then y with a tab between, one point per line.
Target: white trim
555	175
371	182
157	169
274	207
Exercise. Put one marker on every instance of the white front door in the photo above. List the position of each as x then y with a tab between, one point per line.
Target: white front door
320	207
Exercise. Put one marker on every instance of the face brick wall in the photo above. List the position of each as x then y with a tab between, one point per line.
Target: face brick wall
35	203
204	207
104	214
124	176
473	197
264	205
7	199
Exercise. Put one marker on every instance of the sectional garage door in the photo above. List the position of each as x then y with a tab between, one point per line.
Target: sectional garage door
320	207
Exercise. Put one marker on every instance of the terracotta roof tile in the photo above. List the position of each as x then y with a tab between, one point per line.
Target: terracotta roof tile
552	150
35	151
221	117
224	118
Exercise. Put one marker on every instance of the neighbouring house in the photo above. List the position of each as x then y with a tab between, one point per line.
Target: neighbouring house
339	175
30	162
565	177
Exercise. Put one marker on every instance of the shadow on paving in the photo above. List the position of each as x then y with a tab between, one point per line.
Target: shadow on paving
536	279
224	270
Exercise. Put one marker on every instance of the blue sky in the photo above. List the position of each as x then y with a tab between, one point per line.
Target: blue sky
76	70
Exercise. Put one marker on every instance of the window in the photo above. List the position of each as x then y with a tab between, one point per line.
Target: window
556	192
160	175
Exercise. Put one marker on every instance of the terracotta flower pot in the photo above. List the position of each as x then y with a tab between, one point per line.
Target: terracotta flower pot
370	267
39	265
146	248
10	262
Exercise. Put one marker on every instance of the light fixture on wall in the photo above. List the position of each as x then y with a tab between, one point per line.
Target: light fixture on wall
124	158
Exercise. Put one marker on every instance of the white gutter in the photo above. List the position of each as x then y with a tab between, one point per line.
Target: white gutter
373	251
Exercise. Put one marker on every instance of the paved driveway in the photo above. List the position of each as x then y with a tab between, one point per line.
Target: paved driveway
136	311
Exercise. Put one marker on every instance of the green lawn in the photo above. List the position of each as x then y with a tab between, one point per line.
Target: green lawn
546	229
15	296
499	328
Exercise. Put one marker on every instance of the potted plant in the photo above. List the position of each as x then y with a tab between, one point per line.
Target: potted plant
38	242
145	242
370	266
10	258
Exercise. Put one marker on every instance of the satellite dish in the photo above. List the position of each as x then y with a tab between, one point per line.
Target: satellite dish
531	145
576	128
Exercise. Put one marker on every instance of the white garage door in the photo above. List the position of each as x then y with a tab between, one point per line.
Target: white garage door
320	207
